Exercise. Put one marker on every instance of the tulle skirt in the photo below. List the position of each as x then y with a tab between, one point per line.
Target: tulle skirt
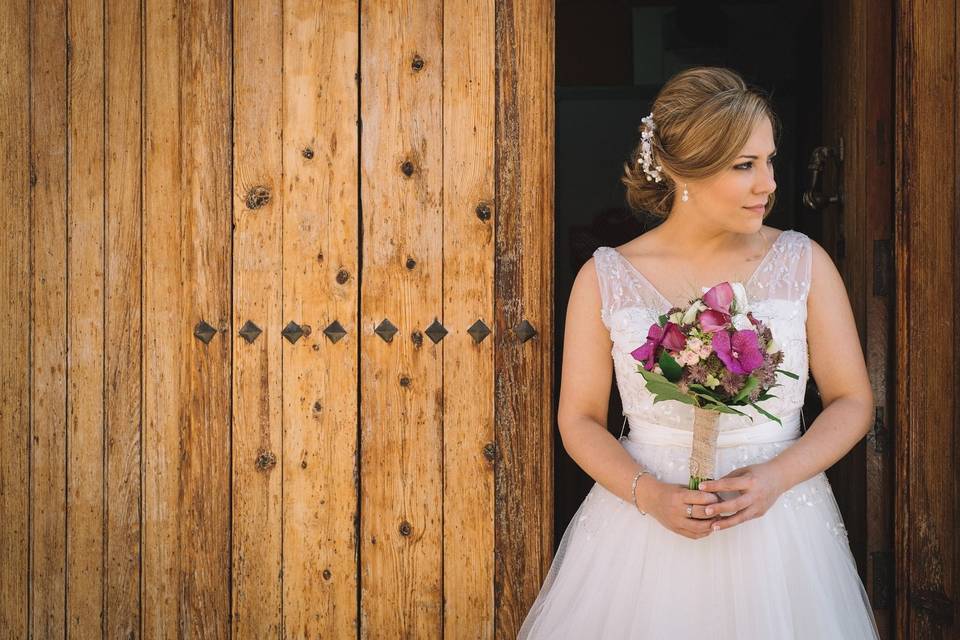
618	574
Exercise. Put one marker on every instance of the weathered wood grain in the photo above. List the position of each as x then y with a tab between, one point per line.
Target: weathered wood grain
48	359
123	320
401	435
523	290
321	283
187	230
85	317
258	216
927	512
15	320
469	454
165	325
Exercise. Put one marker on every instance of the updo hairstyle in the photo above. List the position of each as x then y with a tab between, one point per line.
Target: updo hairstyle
703	118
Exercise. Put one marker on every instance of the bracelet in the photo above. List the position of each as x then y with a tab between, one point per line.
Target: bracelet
633	490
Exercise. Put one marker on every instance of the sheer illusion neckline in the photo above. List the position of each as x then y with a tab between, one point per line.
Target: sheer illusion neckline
766	257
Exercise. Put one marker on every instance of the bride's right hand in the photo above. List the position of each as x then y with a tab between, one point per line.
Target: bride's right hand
668	504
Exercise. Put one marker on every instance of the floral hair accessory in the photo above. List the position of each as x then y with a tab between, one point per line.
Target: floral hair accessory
646	150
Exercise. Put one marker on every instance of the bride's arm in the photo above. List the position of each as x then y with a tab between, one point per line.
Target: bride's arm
585	383
837	365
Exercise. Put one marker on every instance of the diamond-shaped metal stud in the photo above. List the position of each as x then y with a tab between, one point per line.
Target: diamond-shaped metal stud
250	331
204	331
335	331
292	332
525	331
478	331
436	331
385	330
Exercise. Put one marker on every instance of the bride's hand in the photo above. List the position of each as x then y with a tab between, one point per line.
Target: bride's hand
668	504
759	485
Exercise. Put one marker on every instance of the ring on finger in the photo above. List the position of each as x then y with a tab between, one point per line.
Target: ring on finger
689	510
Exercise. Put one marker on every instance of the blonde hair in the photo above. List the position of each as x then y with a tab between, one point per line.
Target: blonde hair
703	116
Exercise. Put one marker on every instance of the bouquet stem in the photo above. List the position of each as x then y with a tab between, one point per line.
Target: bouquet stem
704	455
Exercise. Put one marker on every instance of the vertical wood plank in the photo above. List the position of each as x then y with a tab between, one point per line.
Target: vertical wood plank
469	453
15	319
85	309
48	206
187	231
401	380
878	315
166	330
845	76
524	415
258	209
320	285
123	321
205	192
926	232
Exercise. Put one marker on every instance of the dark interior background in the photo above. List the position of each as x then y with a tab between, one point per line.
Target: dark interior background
612	57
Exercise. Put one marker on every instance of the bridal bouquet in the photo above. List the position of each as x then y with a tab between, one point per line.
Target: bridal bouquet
715	356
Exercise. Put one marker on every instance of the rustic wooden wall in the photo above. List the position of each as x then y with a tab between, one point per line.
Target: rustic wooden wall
212	209
927	235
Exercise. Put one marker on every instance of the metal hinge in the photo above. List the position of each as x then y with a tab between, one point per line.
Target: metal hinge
881	267
883	577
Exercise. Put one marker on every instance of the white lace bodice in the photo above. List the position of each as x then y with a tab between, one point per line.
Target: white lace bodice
777	295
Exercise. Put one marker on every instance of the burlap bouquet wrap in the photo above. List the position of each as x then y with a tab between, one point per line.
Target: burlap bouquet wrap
704	454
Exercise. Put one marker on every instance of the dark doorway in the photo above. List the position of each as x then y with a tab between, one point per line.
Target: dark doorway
612	57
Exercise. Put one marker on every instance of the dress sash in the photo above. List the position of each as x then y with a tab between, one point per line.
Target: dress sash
646	432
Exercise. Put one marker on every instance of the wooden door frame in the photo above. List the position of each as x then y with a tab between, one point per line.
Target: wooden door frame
927	511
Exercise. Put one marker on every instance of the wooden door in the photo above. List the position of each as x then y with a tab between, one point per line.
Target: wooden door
857	231
927	239
277	334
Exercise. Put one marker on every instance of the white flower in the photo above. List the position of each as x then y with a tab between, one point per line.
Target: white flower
692	312
676	317
711	381
773	346
688	357
739	297
741	321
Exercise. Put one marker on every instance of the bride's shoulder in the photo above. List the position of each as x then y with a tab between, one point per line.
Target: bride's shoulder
645	244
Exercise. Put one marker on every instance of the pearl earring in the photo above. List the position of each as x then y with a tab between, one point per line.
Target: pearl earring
685	196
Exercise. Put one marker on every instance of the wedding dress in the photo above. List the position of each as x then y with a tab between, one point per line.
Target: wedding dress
789	573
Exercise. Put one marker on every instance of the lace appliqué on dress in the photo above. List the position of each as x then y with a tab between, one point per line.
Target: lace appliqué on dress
777	292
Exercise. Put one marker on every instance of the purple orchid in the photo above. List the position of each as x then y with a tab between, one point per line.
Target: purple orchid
719	297
668	336
740	352
712	321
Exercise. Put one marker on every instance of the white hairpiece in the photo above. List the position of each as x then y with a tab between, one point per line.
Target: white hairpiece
646	150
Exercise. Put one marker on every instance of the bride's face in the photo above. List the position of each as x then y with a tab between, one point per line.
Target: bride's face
724	199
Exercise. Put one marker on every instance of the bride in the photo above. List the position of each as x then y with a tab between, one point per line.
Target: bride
761	551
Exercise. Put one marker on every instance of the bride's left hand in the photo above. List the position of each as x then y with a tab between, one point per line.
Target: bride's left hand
760	486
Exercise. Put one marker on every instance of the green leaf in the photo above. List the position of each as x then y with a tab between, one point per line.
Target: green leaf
679	397
671	368
706	390
752	382
788	373
766	413
722	408
662	387
662	320
651	376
